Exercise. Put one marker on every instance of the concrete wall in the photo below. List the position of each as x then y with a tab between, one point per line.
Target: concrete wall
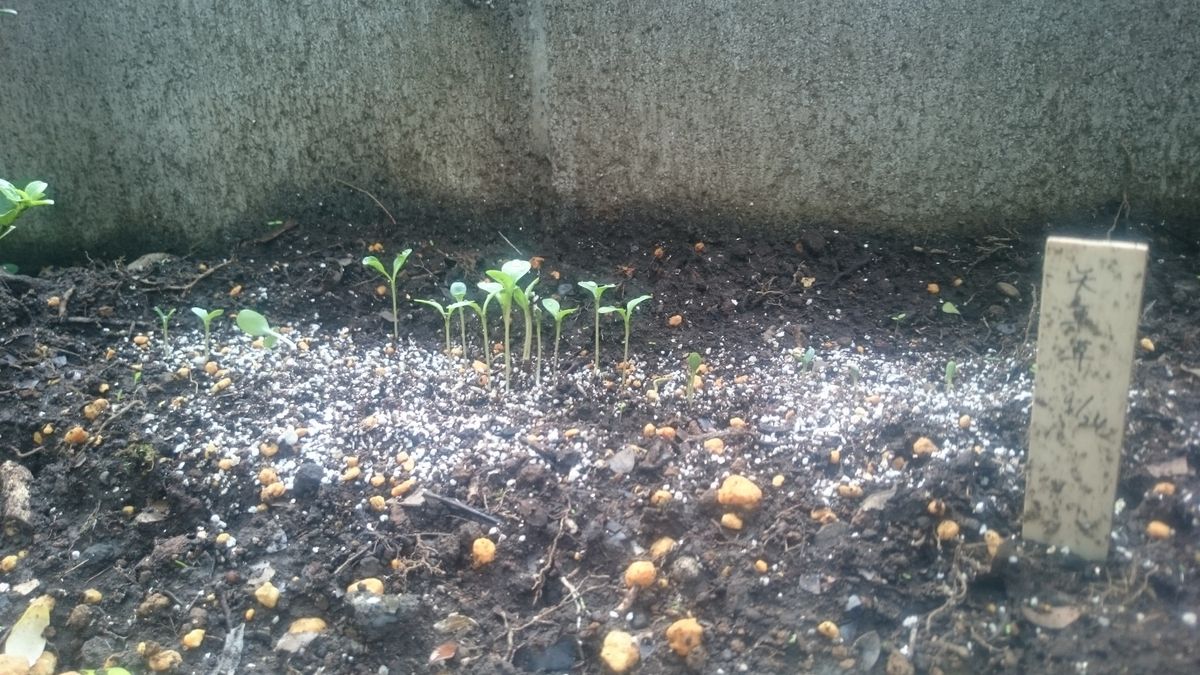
188	122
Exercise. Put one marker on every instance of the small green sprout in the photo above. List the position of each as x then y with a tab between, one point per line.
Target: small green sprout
509	274
951	371
806	359
949	308
855	374
899	318
525	297
626	314
397	264
537	327
446	314
18	201
693	369
492	291
254	324
164	318
206	317
458	291
596	290
558	314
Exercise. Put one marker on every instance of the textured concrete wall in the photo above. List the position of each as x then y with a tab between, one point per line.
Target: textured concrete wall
189	121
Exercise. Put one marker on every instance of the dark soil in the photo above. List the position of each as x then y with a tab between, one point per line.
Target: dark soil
163	509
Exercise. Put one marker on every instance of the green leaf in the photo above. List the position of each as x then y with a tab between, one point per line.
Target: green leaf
253	323
610	310
490	287
10	268
464	303
10	192
269	340
516	269
635	302
458	290
693	362
551	306
373	262
10	215
949	308
35	190
8	11
432	303
595	289
398	262
202	313
506	282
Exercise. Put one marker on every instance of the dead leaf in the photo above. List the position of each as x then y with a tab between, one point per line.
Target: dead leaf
443	652
1171	467
153	513
1054	618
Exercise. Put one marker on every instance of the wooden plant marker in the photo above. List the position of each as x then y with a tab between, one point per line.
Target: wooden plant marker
1091	298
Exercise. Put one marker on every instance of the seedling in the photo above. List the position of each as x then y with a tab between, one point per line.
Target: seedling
949	308
446	314
537	327
526	302
626	314
558	313
18	201
492	289
693	370
397	264
597	291
458	291
254	324
806	359
164	318
507	276
951	371
899	318
206	317
855	374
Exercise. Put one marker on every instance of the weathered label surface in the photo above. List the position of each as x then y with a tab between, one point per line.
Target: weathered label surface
1091	298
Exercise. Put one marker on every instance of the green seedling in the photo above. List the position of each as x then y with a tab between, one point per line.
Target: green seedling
397	264
525	299
458	291
492	291
558	314
596	290
899	318
6	10
537	327
855	374
693	370
19	201
949	308
626	314
446	314
206	317
164	318
507	276
806	359
254	324
951	372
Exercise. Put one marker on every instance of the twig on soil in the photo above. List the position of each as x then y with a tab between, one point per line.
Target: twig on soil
848	271
955	595
1033	306
116	413
470	510
187	288
573	595
62	302
377	202
540	580
514	246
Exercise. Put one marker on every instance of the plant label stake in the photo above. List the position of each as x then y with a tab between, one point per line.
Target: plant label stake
1091	298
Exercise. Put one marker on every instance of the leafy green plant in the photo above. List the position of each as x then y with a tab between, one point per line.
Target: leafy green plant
951	372
164	318
509	274
899	318
949	308
693	370
254	324
558	314
446	314
492	291
19	201
597	291
626	314
397	265
206	317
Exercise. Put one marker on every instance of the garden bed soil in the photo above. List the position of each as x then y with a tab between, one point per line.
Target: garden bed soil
392	460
